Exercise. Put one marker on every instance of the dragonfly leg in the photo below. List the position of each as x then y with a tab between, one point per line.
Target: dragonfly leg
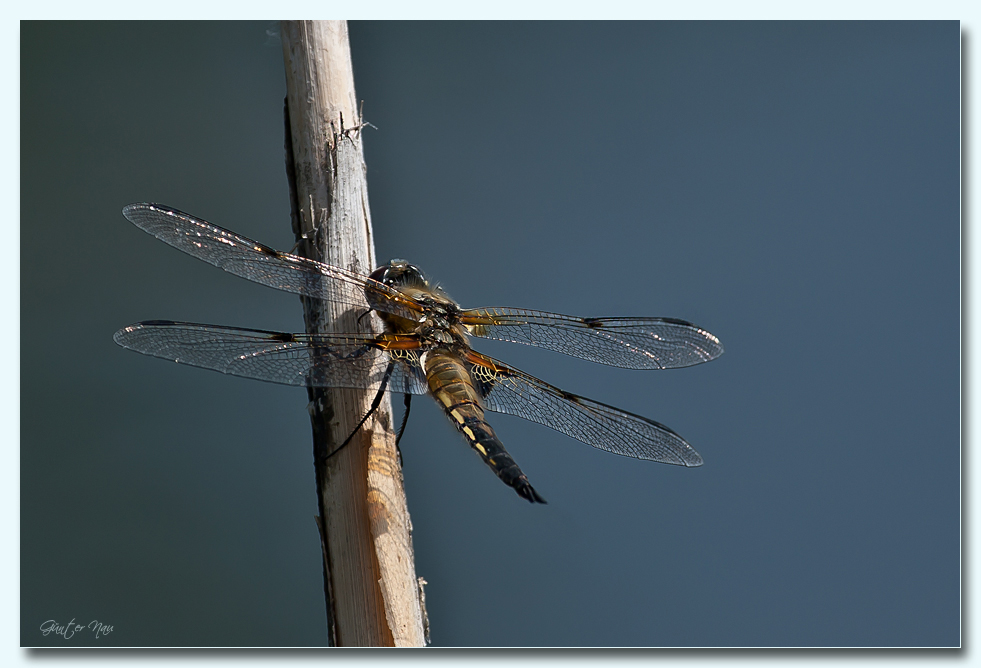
363	315
374	406
304	236
407	400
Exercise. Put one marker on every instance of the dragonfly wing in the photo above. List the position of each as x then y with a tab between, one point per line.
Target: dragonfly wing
249	259
631	343
334	360
507	390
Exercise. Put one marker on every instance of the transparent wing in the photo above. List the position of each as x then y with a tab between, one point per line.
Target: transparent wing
335	360
631	343
508	390
250	259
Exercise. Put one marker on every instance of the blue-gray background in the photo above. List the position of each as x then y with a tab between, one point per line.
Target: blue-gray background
792	187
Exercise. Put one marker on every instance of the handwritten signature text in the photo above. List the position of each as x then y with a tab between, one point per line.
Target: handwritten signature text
71	628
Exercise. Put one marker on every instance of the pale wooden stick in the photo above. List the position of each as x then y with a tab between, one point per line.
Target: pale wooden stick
373	595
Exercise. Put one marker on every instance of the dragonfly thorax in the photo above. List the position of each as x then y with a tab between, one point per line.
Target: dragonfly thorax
438	322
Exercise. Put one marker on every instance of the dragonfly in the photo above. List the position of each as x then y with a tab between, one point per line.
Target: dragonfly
424	348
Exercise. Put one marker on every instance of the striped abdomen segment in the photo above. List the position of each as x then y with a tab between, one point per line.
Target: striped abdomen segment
451	384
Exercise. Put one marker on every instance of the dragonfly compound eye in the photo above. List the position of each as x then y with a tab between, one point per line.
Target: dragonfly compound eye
400	273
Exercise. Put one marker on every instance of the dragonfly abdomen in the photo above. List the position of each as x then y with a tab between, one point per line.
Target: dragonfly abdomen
451	384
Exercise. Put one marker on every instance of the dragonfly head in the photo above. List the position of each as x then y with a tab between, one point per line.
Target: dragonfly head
399	273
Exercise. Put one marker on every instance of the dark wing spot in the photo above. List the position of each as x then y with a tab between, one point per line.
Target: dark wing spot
285	337
483	385
593	323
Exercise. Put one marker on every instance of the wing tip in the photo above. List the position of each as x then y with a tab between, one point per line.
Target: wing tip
130	209
119	338
693	460
688	455
134	212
